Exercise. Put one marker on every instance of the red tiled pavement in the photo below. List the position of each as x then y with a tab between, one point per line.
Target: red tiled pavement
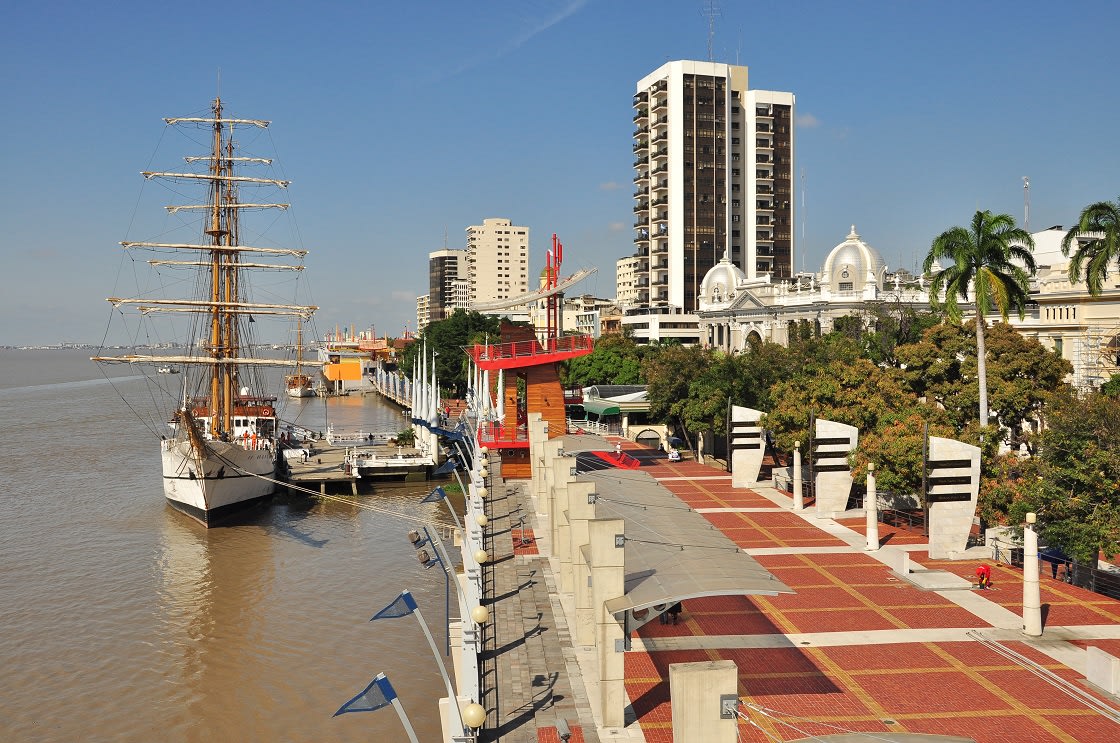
947	688
552	735
526	546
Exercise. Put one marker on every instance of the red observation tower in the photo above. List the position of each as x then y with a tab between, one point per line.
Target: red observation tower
529	366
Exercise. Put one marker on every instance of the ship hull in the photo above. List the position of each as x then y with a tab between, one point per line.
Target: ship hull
232	479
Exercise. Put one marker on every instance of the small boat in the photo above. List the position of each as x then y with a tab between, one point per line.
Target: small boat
220	451
299	384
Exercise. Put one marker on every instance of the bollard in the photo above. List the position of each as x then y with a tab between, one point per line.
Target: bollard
1032	599
871	507
798	498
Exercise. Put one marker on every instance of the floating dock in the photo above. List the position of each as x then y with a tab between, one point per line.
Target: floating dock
344	466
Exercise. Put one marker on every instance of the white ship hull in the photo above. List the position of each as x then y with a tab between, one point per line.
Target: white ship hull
228	481
301	392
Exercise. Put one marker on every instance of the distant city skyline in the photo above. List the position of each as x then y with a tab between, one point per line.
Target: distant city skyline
400	124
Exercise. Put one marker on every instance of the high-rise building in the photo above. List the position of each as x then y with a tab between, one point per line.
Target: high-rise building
423	312
714	166
497	261
445	269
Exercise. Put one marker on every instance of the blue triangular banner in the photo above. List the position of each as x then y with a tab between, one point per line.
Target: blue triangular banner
436	495
447	466
402	607
378	694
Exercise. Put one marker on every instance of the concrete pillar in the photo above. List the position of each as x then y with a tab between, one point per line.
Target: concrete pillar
1032	600
695	690
871	507
561	540
608	576
1102	670
798	498
580	512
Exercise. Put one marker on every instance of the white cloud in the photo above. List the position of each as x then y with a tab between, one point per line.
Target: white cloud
808	121
617	226
532	25
610	186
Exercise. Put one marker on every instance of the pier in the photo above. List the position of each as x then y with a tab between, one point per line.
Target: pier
344	465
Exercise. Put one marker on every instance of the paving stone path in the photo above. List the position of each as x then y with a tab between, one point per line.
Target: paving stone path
528	666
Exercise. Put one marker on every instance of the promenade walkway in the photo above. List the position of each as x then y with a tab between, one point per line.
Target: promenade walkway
528	663
857	648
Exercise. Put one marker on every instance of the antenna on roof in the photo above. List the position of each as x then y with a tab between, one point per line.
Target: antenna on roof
1026	203
711	12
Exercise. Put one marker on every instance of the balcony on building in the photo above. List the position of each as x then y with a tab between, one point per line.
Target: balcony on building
640	98
642	115
659	104
661	154
641	176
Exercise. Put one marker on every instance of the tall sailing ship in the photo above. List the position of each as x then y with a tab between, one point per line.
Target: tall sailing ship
221	447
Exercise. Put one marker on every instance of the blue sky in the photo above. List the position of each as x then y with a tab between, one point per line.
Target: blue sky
400	122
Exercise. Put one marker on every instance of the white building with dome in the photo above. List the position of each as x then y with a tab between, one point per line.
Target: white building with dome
1064	317
733	309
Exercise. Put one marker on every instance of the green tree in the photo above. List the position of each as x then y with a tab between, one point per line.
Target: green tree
1022	374
1074	482
446	339
884	326
1099	226
1111	388
858	393
895	445
993	257
616	359
669	371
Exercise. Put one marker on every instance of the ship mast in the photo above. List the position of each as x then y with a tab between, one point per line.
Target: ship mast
223	341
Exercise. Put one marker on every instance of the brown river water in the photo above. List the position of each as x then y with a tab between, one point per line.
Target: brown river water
123	620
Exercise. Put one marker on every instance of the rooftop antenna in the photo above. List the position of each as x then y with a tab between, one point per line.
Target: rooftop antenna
1026	203
711	12
803	219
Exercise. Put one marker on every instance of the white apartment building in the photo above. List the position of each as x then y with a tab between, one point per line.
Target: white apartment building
497	262
625	281
423	312
714	166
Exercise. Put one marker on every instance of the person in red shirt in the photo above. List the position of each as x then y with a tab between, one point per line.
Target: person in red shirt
984	577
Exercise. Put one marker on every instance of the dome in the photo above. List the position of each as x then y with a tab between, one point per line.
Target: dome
718	288
852	265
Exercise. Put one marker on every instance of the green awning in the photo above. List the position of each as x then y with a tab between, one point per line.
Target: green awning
601	407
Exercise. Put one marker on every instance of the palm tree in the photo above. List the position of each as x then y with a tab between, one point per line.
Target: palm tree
1100	224
993	257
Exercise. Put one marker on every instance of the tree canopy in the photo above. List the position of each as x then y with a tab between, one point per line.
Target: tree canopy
993	259
1097	239
446	339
